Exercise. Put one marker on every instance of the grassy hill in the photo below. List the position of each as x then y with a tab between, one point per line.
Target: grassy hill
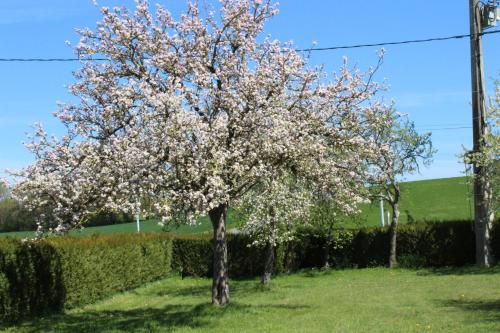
442	199
427	200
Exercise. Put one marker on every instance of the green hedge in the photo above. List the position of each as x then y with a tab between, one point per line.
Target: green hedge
53	274
192	256
49	275
429	244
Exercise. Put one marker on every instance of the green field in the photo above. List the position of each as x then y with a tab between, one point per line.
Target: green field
367	300
427	200
203	225
444	199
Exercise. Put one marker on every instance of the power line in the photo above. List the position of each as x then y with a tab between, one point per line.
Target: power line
412	41
50	59
312	49
442	124
444	128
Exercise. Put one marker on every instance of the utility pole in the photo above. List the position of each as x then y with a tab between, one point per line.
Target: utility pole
482	223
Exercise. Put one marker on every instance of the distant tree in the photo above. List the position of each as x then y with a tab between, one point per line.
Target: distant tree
195	113
4	190
13	216
404	150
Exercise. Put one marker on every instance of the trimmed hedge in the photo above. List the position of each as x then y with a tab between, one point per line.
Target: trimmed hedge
53	274
49	275
192	256
429	244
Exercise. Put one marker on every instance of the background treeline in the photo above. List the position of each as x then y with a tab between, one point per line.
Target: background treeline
15	217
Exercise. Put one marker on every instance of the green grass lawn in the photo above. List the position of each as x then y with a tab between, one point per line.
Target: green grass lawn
368	300
430	200
444	199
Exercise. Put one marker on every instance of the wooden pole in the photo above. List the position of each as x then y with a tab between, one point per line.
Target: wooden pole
481	218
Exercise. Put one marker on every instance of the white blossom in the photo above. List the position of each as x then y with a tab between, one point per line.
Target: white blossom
192	114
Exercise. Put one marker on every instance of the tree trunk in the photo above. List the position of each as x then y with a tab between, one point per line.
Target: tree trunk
393	262
269	263
220	283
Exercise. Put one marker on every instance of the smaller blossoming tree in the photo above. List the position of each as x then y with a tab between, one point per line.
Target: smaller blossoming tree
405	150
274	210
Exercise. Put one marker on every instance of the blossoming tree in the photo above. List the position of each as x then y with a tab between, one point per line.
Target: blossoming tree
194	113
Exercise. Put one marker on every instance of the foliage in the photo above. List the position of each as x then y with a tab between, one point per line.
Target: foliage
14	217
405	148
429	244
192	256
38	277
108	218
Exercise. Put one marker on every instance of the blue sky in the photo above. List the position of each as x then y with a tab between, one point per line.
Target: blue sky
430	82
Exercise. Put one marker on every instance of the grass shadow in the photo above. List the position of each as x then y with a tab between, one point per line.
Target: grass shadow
466	270
164	319
482	309
237	287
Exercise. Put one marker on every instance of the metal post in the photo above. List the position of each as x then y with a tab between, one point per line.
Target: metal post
381	203
138	225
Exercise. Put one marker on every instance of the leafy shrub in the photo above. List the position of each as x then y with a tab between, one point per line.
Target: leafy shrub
427	244
193	256
411	261
108	218
46	276
246	261
418	245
